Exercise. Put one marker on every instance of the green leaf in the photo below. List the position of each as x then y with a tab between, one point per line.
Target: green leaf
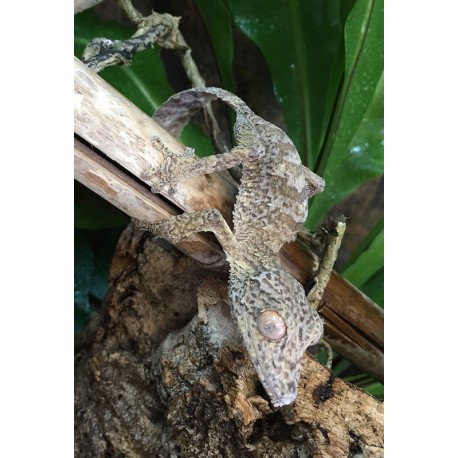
358	379
144	82
368	263
367	383
369	251
302	42
341	366
353	152
218	22
364	245
374	287
376	389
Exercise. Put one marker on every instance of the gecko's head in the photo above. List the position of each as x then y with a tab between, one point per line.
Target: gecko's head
277	326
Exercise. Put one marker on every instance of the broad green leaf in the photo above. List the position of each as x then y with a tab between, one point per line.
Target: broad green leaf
353	152
367	383
218	22
367	264
377	389
374	288
339	367
302	42
144	82
364	245
358	379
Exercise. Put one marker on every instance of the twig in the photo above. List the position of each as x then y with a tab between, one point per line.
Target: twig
162	29
321	280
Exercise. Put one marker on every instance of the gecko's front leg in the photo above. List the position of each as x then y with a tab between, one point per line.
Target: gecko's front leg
175	168
169	172
179	227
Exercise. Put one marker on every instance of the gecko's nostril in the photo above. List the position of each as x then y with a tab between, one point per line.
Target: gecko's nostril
271	325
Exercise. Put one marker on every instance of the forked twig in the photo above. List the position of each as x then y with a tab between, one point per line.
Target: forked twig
162	29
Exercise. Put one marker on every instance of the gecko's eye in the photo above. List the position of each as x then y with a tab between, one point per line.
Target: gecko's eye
271	325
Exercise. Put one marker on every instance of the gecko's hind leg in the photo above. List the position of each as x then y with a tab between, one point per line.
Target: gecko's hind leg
179	227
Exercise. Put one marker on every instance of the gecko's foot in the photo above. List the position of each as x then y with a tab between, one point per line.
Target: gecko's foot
159	177
167	229
141	225
156	229
166	152
166	176
156	178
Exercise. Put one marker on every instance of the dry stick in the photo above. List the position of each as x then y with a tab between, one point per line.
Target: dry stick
134	15
333	241
82	5
115	126
125	193
162	29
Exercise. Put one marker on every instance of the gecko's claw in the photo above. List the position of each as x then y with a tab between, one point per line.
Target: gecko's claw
157	229
153	176
165	177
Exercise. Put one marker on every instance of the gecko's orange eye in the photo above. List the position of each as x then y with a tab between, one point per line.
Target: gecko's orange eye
271	325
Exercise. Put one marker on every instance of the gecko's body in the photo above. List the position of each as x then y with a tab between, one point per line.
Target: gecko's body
270	306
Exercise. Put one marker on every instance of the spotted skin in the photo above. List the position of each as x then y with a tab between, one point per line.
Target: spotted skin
270	209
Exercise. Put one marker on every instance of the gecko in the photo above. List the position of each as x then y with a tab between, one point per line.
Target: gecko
269	305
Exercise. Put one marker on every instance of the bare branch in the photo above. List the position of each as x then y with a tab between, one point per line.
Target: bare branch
82	5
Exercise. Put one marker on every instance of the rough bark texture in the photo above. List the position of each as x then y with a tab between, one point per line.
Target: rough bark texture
156	378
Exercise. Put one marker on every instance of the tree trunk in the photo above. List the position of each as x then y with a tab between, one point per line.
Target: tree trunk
161	372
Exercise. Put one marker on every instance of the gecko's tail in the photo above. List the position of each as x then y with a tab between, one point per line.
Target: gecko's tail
178	110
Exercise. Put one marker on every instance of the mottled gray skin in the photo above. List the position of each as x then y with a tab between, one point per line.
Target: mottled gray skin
271	208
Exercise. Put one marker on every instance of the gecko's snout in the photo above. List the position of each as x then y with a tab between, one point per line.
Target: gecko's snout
277	326
285	400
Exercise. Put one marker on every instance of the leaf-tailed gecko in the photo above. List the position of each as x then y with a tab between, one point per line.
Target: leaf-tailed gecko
269	305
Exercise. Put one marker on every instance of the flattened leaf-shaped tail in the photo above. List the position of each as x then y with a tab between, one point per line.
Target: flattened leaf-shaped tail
177	111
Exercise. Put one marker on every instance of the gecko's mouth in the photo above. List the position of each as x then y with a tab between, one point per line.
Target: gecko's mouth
277	396
281	392
285	400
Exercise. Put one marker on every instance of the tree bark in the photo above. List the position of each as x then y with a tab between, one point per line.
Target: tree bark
161	372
